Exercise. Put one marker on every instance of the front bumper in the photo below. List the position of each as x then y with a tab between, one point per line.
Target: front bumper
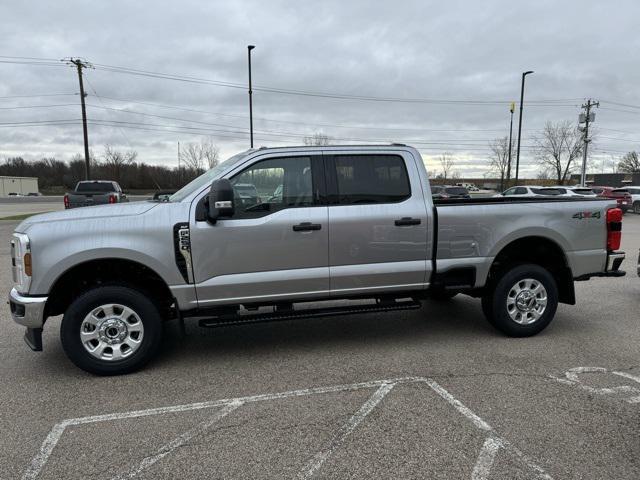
27	311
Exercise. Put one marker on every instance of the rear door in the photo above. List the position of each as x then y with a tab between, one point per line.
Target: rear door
377	222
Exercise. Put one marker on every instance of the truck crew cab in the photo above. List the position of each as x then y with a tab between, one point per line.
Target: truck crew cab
268	230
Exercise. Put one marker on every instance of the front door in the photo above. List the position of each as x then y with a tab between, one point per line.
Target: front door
275	247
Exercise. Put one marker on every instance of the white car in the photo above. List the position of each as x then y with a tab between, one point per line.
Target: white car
635	198
534	191
583	191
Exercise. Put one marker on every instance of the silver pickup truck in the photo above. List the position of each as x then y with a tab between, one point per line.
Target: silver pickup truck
280	234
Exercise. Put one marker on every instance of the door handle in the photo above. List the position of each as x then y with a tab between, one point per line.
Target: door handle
306	227
405	221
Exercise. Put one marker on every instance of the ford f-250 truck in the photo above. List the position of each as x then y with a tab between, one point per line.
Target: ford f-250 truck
324	224
94	192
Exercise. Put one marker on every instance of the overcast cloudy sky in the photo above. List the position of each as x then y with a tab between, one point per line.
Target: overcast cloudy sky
468	54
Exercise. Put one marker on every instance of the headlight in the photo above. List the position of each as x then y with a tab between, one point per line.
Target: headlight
21	262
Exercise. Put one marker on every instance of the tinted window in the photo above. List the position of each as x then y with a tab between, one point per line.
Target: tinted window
271	185
510	191
547	191
371	179
620	190
634	191
95	187
520	191
583	191
436	189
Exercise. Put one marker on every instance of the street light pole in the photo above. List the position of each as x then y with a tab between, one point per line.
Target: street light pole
511	109
520	123
249	48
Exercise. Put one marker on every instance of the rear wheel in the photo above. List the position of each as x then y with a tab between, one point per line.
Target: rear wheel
636	208
523	301
111	330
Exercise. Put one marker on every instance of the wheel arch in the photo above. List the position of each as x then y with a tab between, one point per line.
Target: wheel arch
106	271
539	250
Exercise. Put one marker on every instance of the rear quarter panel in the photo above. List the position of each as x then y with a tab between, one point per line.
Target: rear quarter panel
473	234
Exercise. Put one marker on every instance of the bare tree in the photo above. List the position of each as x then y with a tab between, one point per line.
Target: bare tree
629	163
115	160
193	157
500	158
558	148
210	152
446	163
318	139
197	156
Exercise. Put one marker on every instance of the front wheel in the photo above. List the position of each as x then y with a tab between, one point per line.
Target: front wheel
523	302
111	330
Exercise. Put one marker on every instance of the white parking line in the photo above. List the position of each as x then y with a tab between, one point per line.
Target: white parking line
492	444
319	458
485	459
179	441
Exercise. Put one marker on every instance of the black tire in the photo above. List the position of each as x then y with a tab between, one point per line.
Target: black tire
442	295
137	301
636	208
495	304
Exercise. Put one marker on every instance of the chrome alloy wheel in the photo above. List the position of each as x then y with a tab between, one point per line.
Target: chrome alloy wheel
111	332
527	301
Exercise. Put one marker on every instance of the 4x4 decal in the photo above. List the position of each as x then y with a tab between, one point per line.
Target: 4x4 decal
581	215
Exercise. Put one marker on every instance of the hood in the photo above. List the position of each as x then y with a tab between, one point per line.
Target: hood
83	213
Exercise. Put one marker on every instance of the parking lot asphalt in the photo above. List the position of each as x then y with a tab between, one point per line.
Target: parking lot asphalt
429	393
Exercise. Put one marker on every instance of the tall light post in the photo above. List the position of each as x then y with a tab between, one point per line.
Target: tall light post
249	48
520	123
512	107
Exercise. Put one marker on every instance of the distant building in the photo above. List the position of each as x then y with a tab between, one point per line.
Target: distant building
18	186
609	179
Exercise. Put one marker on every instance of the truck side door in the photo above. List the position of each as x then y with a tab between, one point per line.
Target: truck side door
377	223
276	244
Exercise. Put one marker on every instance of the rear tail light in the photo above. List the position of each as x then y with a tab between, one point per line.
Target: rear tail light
66	201
614	229
112	199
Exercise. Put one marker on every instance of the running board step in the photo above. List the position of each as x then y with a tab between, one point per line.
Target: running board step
229	320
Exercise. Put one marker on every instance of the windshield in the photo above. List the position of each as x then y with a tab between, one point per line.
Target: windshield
206	178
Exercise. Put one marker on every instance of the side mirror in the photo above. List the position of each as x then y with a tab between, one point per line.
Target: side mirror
220	203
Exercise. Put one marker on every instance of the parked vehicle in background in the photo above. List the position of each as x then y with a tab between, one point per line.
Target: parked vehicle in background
352	222
94	192
584	191
162	195
635	198
621	195
533	191
471	187
447	191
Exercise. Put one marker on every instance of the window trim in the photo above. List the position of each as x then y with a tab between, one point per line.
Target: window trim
331	175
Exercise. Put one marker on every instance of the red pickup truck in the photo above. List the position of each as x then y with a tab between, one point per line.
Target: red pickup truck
622	196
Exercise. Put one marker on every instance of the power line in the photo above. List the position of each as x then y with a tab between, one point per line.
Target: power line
40	95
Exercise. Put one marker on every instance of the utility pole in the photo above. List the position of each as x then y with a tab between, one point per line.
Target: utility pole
179	172
524	74
80	64
587	117
511	109
249	48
